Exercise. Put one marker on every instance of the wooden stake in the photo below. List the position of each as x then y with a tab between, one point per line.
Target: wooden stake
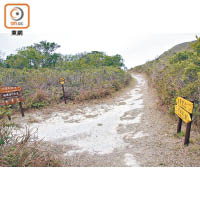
179	125
21	109
64	93
9	117
187	133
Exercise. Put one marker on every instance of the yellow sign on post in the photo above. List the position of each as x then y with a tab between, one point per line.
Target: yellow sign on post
185	104
62	81
184	109
184	115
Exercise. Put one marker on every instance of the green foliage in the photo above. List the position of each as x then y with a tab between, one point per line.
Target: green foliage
90	60
25	58
38	104
5	111
177	75
196	46
43	55
180	56
36	56
180	134
41	86
37	70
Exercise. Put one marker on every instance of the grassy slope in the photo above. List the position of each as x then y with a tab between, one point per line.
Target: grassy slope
163	59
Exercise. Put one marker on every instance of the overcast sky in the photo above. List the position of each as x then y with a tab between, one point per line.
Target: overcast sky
138	30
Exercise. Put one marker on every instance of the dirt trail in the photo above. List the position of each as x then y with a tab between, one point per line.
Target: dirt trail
130	131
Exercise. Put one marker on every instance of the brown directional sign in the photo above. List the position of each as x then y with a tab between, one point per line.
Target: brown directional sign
9	89
185	104
12	101
2	103
10	96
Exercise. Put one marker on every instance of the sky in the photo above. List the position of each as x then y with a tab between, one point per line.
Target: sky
138	30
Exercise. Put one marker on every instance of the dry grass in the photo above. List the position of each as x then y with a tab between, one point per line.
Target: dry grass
24	149
41	86
94	94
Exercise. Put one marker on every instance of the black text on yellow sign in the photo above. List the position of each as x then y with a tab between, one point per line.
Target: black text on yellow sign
62	81
184	115
185	104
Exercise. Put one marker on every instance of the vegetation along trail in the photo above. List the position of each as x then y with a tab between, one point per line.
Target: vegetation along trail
125	132
102	124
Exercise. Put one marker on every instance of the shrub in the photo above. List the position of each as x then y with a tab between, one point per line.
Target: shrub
23	150
41	87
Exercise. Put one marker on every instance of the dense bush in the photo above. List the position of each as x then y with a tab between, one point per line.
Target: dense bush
37	70
43	55
177	75
41	86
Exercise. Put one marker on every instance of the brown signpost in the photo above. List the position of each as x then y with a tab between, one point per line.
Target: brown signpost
10	96
9	89
184	109
62	82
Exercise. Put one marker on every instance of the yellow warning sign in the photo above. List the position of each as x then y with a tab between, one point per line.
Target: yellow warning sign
185	116
185	104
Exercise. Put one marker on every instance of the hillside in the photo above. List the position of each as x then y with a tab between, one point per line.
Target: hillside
186	46
176	73
164	57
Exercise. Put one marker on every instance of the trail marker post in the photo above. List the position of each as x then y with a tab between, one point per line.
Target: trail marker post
62	82
10	96
184	109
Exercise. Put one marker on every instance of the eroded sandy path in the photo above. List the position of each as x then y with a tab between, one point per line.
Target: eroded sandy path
128	130
98	135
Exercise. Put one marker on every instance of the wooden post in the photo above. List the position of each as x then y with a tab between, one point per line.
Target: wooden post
9	117
187	133
21	109
179	125
64	93
188	128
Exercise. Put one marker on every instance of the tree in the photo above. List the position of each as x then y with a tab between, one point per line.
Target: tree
116	61
35	56
47	49
43	55
1	59
26	57
196	45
